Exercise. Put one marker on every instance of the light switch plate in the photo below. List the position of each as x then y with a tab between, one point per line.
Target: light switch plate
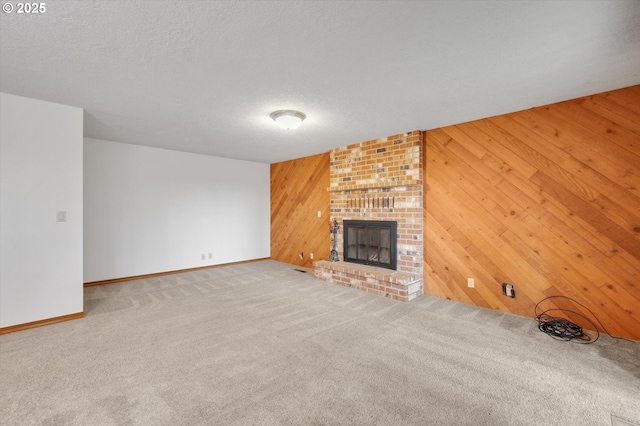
61	216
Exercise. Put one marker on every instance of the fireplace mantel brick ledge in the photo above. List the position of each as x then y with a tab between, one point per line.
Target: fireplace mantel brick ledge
397	285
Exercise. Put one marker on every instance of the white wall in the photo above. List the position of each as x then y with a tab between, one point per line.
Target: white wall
151	210
40	174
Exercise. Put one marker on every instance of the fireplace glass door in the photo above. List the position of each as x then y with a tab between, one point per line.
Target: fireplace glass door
370	242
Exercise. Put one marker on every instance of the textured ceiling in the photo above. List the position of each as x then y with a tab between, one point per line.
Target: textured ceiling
203	76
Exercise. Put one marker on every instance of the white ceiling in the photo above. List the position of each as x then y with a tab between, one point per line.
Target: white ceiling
203	76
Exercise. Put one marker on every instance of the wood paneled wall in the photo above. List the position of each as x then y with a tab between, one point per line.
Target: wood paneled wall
299	190
547	199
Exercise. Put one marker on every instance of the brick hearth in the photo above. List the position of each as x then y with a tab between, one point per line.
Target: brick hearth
402	286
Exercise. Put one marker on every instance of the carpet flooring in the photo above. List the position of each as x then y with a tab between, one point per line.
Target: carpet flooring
262	343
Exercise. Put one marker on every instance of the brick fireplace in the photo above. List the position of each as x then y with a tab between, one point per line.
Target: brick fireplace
379	180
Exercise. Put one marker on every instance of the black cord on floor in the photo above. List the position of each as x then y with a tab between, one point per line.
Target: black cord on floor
562	329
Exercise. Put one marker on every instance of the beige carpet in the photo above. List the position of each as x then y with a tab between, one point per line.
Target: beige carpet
261	343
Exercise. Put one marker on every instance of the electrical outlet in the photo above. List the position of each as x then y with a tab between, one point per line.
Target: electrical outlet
210	255
471	282
203	257
311	256
319	213
508	290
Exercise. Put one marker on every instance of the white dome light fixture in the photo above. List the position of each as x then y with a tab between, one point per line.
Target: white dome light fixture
288	118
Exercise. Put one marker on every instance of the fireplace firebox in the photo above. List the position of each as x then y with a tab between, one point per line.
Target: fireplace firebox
371	242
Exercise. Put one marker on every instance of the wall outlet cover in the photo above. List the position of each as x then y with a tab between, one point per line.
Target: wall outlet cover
508	290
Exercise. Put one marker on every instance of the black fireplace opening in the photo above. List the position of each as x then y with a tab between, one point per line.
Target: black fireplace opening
371	242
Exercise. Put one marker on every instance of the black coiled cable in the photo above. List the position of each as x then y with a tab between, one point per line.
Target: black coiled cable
562	329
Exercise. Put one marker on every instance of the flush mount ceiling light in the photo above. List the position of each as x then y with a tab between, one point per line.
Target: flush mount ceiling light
288	118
